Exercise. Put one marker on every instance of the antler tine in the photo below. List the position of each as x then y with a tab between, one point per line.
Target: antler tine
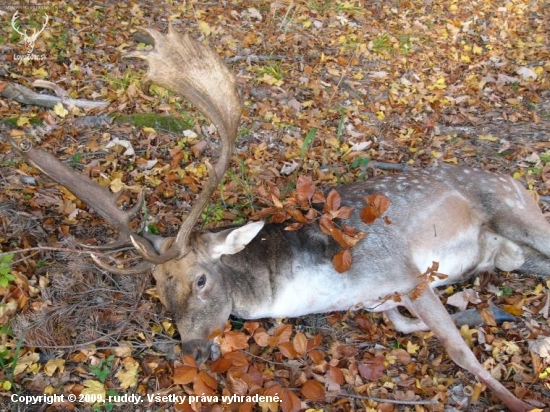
99	198
184	65
134	270
36	32
13	20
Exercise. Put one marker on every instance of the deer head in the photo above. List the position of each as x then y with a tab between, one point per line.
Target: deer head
29	40
181	64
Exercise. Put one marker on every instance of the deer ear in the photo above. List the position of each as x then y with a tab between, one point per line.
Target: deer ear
231	241
161	244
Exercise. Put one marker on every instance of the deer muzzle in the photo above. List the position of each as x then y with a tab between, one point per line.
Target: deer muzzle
199	349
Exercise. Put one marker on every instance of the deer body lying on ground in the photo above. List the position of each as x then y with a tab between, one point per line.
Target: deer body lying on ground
466	220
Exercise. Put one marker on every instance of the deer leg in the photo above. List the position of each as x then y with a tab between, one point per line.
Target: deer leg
470	317
431	311
404	324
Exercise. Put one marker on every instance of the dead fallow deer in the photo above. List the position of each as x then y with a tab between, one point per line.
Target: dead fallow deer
467	220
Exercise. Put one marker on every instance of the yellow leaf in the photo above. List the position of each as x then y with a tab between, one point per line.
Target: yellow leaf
478	50
465	58
117	185
450	290
41	73
538	289
380	114
467	334
26	362
488	137
123	351
412	348
269	79
53	365
436	154
149	130
156	329
23	121
59	110
169	327
128	376
6	385
93	388
205	28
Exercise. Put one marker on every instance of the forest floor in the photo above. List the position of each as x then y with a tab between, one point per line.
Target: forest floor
335	91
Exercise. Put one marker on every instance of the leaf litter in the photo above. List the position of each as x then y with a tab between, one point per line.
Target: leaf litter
328	87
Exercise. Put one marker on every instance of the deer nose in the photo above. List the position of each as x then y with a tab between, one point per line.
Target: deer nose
199	349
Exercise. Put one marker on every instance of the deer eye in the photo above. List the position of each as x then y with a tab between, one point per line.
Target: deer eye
201	281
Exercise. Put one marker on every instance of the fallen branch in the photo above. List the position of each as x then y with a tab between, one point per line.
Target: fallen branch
24	95
255	58
384	400
389	166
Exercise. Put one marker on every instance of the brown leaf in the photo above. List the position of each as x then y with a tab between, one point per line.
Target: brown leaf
305	189
333	202
233	340
377	204
326	225
237	385
341	238
372	369
237	359
369	214
314	342
352	240
350	231
311	215
294	227
318	197
344	212
250	327
297	215
381	202
342	261
278	217
402	356
300	343
334	378
184	375
289	401
363	322
205	384
266	211
313	390
261	337
276	202
417	291
487	317
316	356
282	333
287	349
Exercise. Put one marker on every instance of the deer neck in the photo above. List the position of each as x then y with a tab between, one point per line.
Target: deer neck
274	262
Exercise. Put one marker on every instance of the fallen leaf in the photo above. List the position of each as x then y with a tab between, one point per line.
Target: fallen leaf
342	261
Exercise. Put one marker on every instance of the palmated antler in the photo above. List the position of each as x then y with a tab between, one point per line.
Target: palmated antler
185	66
